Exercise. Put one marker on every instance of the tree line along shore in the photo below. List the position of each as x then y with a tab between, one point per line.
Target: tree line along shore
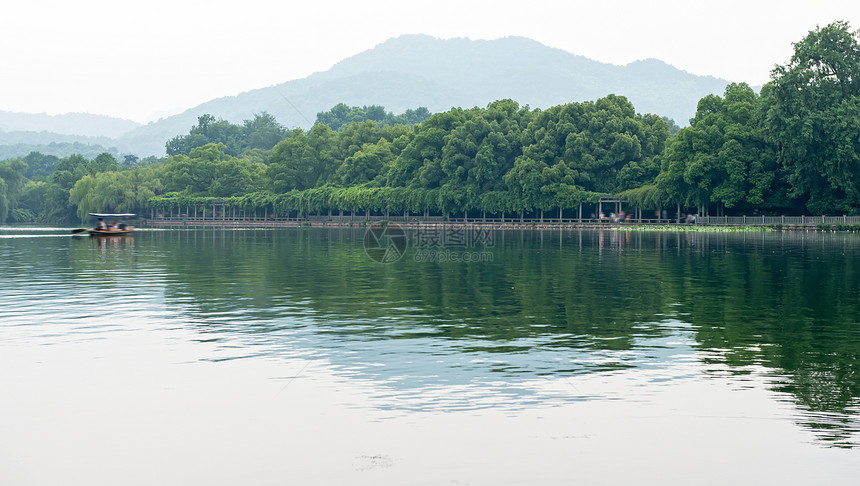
792	148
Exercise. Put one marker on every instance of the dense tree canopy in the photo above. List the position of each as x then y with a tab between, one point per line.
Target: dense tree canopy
11	184
723	157
209	171
262	132
815	119
39	166
115	191
341	116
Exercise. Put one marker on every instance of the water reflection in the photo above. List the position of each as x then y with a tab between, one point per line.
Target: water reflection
551	310
551	303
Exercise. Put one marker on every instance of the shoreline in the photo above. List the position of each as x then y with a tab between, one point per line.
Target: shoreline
530	225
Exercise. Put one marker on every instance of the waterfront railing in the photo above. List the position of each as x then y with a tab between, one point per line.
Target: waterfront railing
755	220
777	220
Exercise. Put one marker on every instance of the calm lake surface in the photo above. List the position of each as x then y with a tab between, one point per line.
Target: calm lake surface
544	357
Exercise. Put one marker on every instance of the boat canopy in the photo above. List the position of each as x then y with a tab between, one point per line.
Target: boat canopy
111	215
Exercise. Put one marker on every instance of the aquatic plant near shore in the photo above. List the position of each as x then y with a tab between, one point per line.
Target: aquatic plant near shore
693	228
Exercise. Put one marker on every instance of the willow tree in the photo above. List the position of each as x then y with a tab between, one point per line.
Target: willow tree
11	184
4	200
115	191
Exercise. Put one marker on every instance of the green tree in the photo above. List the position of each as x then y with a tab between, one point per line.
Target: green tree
605	144
478	152
67	172
723	157
209	171
115	191
262	132
420	162
303	161
673	127
235	177
12	181
39	165
409	117
338	117
32	200
365	165
193	173
130	160
4	200
815	119
209	130
525	182
341	116
104	162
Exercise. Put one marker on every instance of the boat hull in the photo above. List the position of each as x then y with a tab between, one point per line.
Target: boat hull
110	232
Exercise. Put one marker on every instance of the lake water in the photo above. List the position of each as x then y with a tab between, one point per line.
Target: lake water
542	357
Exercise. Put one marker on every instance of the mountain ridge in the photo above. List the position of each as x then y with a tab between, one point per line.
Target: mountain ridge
416	70
74	123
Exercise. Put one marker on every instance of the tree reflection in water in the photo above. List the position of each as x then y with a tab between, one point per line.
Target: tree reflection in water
782	304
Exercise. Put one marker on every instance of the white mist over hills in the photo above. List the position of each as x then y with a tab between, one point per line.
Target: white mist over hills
83	124
411	71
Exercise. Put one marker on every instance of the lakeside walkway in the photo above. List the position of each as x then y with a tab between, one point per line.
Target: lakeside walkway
786	222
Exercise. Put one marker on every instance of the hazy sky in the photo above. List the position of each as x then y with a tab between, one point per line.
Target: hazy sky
136	58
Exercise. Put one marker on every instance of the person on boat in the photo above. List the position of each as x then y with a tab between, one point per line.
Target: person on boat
101	225
114	225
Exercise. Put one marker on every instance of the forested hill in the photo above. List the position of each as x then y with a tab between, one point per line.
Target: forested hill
418	70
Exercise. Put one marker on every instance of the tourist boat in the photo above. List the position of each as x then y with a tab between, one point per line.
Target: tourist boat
113	224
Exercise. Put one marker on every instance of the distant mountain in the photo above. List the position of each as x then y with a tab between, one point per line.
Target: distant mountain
19	144
83	124
296	104
36	138
58	149
418	70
